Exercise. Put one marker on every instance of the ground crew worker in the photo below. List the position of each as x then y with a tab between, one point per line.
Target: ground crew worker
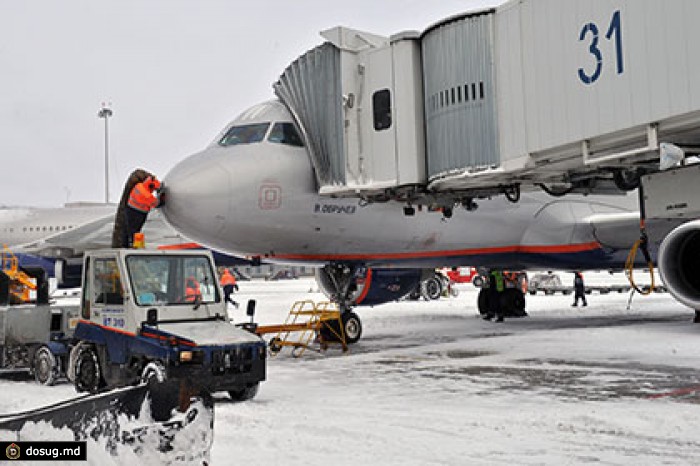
192	291
579	289
141	201
496	287
228	283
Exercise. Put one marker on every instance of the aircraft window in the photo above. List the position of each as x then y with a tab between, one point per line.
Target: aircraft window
285	133
245	134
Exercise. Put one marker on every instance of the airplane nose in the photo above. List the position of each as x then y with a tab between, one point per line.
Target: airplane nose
197	194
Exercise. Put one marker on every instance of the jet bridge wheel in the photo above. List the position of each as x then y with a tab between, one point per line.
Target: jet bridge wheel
46	367
88	373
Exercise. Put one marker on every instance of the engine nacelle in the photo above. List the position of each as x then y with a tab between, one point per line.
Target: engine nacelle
68	272
679	263
368	287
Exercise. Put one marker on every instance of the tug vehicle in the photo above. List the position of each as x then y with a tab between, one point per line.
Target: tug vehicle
158	316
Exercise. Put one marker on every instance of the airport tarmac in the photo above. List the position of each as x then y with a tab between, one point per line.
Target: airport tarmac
431	383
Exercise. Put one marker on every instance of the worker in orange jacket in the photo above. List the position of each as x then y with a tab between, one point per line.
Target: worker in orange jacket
228	283
192	290
141	201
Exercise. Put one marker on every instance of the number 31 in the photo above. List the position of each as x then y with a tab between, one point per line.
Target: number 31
591	30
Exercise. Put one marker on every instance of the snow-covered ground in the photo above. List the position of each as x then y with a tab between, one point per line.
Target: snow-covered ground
431	383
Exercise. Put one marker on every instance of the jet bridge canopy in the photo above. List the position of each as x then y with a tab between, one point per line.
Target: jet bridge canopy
532	92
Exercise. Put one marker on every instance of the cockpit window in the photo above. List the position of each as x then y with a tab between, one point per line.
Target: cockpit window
285	133
244	134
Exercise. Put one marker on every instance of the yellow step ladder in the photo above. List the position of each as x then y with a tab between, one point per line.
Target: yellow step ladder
306	324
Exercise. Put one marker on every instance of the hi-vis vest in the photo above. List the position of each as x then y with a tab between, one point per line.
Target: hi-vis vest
141	198
227	279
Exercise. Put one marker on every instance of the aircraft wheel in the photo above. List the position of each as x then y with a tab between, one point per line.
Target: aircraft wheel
88	373
513	302
483	302
478	281
352	326
46	367
432	288
244	394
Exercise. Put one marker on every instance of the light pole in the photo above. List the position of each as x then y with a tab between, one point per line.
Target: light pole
106	112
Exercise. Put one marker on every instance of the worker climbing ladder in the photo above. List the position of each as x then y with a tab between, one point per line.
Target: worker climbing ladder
307	324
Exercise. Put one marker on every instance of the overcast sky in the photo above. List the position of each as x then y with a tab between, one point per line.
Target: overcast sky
174	71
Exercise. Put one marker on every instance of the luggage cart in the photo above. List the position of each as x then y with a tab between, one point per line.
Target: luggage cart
306	324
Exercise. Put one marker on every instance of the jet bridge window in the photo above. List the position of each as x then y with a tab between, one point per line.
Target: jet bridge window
381	108
285	133
244	134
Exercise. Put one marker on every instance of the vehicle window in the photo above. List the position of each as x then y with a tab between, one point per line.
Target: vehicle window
167	280
285	133
244	134
107	283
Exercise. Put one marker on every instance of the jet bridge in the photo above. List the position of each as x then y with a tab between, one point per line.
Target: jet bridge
562	94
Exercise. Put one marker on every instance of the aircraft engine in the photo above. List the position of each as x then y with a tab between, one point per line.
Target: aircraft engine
679	263
68	272
358	286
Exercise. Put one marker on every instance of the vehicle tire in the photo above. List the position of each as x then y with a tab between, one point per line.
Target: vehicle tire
154	372
604	291
432	288
483	302
88	373
478	281
46	368
275	345
244	394
532	292
566	292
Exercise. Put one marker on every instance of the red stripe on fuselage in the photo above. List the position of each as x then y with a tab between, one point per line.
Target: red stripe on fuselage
553	249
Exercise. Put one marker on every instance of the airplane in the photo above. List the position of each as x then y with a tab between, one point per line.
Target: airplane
252	193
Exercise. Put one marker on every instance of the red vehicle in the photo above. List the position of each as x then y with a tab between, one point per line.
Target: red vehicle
461	274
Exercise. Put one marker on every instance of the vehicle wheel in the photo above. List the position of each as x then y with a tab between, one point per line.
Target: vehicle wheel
274	345
244	394
46	368
532	292
604	291
483	302
478	281
352	326
88	374
566	292
432	288
154	372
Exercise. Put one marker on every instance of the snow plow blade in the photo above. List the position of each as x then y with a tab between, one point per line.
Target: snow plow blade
120	422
